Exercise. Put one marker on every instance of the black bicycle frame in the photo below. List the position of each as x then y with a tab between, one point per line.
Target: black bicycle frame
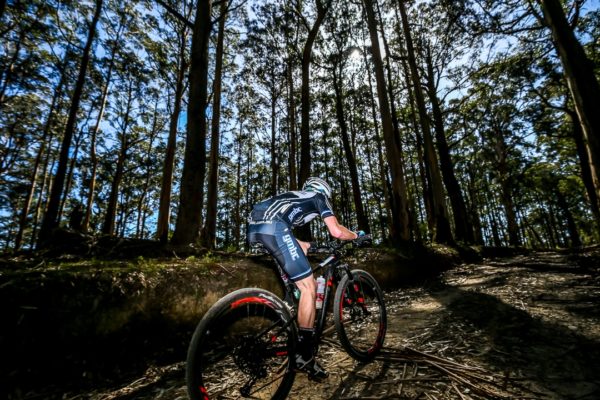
333	272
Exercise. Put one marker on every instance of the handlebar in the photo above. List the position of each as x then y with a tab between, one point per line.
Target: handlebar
336	245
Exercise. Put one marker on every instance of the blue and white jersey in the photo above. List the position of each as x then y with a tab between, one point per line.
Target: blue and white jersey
295	208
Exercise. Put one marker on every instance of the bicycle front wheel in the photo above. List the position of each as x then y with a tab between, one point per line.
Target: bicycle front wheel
243	348
359	315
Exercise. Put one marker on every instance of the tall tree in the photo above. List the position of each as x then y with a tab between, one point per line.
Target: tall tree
322	8
114	46
209	232
338	61
50	218
46	141
164	209
462	224
399	199
442	232
581	79
189	214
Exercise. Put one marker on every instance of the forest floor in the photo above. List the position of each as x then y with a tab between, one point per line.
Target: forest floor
516	327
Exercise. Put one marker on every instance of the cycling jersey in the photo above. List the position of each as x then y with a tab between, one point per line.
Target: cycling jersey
271	223
292	208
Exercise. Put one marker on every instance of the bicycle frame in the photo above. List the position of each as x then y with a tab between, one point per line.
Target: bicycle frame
333	271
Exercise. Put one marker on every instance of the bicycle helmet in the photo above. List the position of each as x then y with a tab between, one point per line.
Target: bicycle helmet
314	184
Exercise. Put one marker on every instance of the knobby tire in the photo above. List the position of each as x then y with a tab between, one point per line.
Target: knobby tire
243	348
359	315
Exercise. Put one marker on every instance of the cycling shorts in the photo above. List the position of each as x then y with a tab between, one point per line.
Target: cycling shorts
279	241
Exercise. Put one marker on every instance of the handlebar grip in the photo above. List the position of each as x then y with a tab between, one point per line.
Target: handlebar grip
363	240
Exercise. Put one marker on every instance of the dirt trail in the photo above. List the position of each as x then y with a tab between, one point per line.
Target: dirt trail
526	326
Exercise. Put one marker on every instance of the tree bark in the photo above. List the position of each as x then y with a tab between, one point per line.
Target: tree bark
164	208
46	141
50	219
584	166
95	130
305	160
361	217
111	210
582	82
462	223
442	233
189	216
400	226
209	232
292	127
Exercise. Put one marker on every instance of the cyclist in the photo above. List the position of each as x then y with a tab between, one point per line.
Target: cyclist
270	223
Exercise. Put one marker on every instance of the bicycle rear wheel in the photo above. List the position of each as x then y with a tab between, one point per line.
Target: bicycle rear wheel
243	348
359	315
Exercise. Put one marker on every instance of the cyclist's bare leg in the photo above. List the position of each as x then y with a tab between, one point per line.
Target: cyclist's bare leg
306	306
305	246
306	321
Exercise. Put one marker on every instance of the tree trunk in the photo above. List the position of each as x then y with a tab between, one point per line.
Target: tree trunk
571	225
385	222
582	82
47	137
237	217
292	127
69	176
584	166
425	190
305	161
462	223
442	233
141	220
273	148
95	130
164	208
111	210
209	233
506	189
189	216
361	217
50	219
400	227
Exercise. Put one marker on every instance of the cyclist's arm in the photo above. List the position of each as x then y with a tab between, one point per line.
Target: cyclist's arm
338	231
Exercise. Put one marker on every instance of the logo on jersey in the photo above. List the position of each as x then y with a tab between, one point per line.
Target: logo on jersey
291	247
294	212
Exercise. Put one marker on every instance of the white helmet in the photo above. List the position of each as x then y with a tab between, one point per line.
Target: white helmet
313	184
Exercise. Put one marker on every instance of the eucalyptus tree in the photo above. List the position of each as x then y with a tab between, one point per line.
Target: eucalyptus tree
171	55
265	60
560	143
322	7
581	79
441	44
293	57
127	109
441	225
33	70
400	225
121	15
499	103
50	218
191	199
209	231
556	25
339	35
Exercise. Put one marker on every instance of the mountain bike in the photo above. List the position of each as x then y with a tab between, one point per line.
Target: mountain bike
244	346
